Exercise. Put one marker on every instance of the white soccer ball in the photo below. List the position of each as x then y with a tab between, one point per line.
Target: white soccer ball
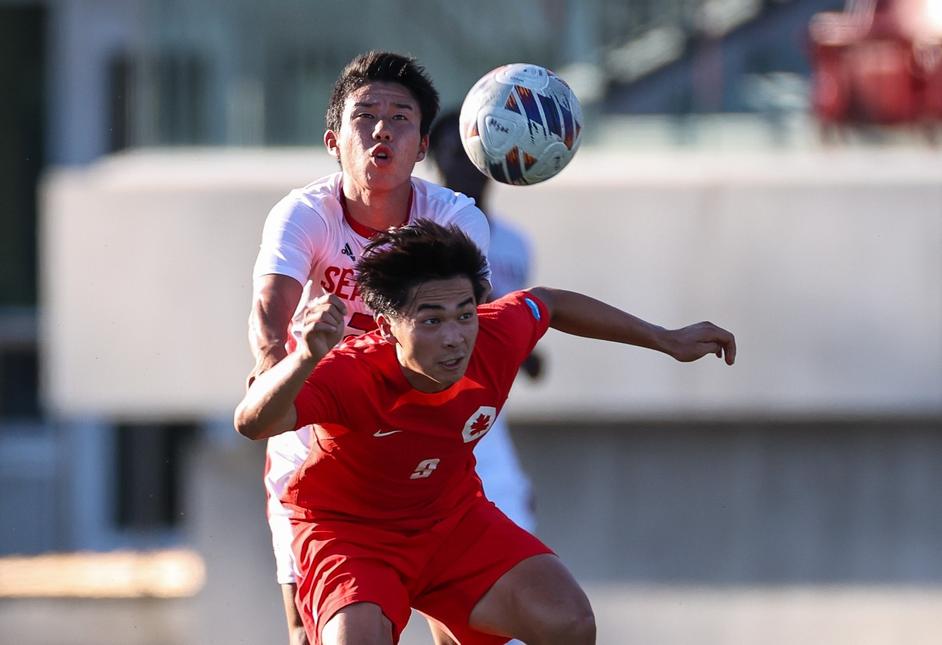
521	124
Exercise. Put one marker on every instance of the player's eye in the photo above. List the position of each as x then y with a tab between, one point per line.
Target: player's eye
430	321
468	315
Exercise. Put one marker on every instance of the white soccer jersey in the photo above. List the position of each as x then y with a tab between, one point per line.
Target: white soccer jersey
309	237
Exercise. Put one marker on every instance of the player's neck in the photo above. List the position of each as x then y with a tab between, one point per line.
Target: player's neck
378	210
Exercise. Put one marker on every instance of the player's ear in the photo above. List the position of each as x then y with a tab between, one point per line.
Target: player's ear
385	327
330	142
423	147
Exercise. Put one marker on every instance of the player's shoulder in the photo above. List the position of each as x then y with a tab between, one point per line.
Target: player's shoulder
511	324
521	302
439	203
319	199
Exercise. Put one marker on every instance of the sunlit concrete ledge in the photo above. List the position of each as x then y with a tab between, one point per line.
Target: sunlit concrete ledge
171	573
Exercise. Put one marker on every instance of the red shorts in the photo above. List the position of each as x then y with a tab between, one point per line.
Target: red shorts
442	572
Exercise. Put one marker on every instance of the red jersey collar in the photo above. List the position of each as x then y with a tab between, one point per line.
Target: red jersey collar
362	229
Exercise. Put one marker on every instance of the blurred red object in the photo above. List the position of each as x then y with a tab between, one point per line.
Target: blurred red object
879	61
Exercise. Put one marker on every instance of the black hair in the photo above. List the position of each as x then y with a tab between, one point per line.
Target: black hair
397	260
389	67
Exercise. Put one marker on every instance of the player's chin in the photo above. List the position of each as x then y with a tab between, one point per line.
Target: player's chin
451	371
389	172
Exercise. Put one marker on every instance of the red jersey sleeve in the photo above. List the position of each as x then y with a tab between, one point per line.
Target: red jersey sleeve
517	320
318	400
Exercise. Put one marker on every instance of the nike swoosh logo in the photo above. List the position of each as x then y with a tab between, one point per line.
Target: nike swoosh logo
380	433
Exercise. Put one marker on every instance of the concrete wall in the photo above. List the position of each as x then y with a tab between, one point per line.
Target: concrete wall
827	265
742	504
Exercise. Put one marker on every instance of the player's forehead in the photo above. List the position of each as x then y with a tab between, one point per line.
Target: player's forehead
440	295
381	93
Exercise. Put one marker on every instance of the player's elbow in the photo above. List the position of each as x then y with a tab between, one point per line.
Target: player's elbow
247	423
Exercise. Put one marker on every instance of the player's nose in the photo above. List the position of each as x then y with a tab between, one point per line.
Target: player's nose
451	334
381	132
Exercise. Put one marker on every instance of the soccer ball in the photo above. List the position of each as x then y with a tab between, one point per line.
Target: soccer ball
521	124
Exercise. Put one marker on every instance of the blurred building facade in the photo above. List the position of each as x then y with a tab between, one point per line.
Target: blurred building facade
165	72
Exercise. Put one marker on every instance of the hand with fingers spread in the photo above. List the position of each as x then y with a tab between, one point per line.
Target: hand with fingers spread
696	341
323	324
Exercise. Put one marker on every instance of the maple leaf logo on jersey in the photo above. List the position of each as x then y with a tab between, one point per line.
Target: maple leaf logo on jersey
483	422
479	423
346	250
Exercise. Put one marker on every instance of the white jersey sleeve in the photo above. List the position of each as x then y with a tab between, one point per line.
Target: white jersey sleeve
293	235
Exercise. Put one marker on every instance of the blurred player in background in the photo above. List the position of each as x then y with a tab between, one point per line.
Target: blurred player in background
387	511
509	257
378	120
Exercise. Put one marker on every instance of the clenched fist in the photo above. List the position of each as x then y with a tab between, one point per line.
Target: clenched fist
323	324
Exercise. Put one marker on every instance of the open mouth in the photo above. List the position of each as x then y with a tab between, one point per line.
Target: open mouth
452	363
381	153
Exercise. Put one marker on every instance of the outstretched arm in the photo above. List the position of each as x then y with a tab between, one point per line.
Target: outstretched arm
267	409
580	315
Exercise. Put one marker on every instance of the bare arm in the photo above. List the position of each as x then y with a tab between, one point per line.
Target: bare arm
580	315
275	301
267	409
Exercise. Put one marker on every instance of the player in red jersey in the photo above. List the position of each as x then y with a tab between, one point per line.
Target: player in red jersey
387	511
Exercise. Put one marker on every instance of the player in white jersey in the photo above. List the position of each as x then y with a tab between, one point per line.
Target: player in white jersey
505	482
378	120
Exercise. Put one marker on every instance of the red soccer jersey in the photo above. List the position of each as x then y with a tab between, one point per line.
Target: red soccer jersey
386	452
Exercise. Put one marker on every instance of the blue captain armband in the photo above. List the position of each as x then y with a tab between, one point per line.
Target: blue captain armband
534	308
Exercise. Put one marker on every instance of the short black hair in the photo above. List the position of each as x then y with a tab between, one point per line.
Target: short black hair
389	67
397	260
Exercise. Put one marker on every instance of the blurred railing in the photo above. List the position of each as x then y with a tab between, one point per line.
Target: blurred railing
248	76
